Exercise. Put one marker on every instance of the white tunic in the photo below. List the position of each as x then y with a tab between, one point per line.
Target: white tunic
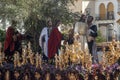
80	29
44	45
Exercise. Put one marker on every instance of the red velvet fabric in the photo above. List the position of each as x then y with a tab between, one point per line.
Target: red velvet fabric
54	42
9	39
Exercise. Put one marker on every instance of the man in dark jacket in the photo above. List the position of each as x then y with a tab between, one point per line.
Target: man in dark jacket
91	35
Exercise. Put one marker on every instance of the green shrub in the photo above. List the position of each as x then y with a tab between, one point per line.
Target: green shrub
99	38
2	36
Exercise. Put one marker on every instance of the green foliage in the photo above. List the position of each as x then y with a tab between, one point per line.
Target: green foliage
30	12
2	36
57	9
99	38
18	8
41	9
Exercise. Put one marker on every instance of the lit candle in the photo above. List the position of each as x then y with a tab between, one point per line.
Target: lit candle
7	75
37	58
40	61
15	60
56	60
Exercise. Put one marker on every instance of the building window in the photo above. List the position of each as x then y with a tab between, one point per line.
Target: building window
118	6
110	11
110	15
102	11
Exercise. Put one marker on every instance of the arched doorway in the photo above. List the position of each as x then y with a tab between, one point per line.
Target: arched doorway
110	10
102	11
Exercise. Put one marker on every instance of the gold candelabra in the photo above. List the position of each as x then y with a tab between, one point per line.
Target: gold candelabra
73	55
17	60
24	56
2	56
38	60
113	54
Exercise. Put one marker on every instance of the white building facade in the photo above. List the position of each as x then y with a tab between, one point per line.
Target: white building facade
88	7
106	12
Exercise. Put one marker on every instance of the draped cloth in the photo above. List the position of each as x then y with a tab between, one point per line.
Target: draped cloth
80	30
43	41
54	42
91	35
94	52
10	44
9	39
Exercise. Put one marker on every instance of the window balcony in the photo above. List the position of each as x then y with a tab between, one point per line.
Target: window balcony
108	16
